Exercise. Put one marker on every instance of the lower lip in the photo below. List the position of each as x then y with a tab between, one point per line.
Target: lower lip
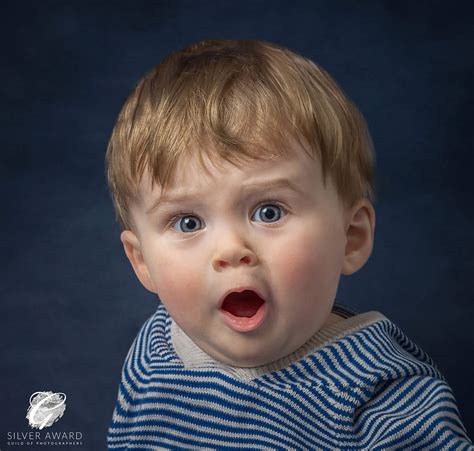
244	323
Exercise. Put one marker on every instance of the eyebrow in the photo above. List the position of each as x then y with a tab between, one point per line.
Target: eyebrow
171	199
263	186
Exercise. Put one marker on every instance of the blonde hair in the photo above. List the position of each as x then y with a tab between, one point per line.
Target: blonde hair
235	100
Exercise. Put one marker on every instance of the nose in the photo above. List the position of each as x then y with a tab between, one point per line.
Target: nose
232	252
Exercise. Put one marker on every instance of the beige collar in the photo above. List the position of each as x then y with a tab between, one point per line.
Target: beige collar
194	357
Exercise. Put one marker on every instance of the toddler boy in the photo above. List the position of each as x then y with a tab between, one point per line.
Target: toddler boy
243	180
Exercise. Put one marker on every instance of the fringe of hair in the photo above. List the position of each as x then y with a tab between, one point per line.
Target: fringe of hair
236	100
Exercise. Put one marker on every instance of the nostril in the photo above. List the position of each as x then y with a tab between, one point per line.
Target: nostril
237	259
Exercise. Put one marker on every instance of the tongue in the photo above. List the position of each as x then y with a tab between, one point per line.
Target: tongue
246	303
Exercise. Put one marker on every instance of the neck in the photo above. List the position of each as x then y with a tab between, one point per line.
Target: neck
336	327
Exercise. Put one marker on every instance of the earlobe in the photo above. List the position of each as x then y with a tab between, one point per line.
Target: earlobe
132	248
360	237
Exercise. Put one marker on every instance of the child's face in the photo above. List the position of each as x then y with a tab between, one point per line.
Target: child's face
266	226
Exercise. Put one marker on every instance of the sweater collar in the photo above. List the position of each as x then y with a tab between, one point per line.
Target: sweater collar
194	357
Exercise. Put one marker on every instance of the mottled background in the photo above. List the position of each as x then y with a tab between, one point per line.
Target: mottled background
71	305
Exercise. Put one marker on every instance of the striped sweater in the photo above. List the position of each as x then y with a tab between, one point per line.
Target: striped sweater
357	384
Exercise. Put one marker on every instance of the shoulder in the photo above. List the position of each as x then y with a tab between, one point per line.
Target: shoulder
154	337
383	347
409	403
149	350
418	411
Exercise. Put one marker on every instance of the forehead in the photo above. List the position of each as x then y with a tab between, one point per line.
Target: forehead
201	181
203	170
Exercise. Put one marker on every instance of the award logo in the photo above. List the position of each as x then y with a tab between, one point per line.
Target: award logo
45	408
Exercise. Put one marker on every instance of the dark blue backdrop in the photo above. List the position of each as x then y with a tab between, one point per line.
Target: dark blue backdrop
70	303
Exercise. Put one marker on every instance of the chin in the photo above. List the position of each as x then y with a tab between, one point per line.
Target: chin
246	360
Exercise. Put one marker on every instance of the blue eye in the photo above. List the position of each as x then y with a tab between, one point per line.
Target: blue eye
188	224
268	213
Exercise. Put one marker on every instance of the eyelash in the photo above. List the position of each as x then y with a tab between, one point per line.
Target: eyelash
271	202
171	223
173	220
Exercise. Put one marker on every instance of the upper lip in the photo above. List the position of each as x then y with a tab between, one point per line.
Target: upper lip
240	290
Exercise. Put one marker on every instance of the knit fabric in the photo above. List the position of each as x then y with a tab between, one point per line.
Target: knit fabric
370	387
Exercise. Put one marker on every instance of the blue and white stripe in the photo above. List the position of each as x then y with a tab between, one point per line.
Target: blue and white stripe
373	388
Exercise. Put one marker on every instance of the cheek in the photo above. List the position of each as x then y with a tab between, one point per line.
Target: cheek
296	270
177	282
308	264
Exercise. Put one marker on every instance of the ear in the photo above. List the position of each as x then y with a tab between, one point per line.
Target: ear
360	228
132	247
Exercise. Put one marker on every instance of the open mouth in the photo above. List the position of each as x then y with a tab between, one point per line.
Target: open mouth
243	304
